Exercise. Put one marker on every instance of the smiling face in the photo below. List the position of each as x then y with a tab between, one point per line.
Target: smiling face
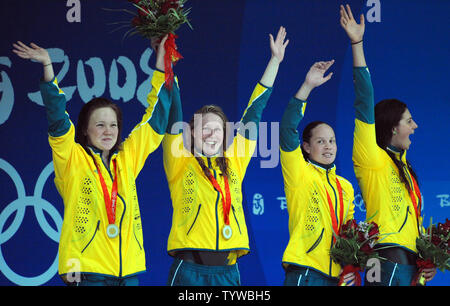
322	146
102	129
208	134
401	132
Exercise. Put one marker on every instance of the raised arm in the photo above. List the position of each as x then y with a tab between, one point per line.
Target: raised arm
53	97
366	153
277	48
292	160
262	91
355	32
148	134
244	143
289	139
60	129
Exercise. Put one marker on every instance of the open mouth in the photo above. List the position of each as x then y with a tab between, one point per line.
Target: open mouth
210	147
211	144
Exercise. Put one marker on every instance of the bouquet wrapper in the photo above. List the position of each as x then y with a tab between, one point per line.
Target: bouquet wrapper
350	269
171	57
419	278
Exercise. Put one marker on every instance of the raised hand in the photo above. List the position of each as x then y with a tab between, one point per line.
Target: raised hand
160	51
315	76
34	52
354	30
278	46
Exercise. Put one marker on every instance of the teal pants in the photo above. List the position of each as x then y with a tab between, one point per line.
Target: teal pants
394	274
104	280
304	276
183	273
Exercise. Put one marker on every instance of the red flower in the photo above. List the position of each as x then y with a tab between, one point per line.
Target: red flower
348	229
168	5
143	13
444	228
435	240
366	248
136	21
361	237
374	231
350	225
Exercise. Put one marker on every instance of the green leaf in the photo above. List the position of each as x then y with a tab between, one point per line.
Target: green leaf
371	217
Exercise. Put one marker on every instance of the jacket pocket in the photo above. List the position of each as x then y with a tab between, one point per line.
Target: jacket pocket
406	218
316	243
137	241
235	218
93	236
195	219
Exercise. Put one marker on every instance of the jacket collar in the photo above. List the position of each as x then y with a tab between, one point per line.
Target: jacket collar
398	153
323	167
97	152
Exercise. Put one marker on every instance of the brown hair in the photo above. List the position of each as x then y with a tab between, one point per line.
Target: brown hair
388	114
83	121
307	134
221	161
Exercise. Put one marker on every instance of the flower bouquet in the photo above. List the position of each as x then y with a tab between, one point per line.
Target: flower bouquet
156	18
433	250
353	247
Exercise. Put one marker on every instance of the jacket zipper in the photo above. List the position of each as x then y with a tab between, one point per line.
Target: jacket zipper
120	233
95	232
195	219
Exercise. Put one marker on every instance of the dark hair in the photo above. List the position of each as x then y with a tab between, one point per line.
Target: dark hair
83	121
388	114
221	161
307	134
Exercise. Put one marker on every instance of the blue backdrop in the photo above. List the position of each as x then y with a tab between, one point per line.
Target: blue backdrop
407	46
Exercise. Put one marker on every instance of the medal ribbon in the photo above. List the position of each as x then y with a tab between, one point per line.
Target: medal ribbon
226	201
417	208
335	222
110	202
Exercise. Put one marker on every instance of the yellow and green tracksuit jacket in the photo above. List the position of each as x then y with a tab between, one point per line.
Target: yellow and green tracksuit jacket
198	218
306	184
384	194
84	245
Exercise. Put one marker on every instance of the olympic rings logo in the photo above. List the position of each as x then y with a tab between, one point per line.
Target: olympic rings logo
18	207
